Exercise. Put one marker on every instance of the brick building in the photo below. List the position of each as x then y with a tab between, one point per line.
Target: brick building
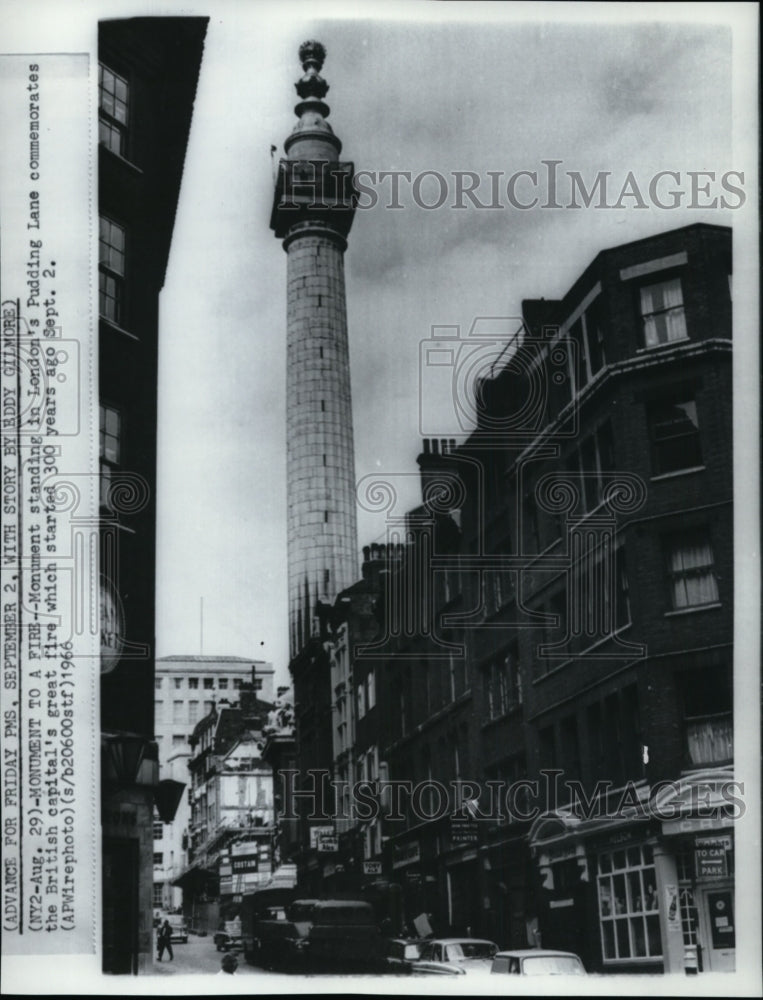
567	584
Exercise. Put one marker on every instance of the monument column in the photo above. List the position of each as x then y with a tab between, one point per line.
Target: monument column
312	214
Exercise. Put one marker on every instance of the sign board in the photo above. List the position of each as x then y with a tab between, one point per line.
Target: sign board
694	824
711	856
242	863
328	844
372	867
463	831
316	832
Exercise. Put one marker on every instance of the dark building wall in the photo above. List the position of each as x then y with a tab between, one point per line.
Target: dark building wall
159	58
157	61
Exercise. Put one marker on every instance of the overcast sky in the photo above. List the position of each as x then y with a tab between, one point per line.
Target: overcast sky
445	87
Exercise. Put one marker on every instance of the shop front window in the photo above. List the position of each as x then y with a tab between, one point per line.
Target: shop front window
628	905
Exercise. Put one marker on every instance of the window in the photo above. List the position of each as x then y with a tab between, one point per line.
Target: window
208	707
237	682
158	858
708	716
111	269
690	570
158	888
592	462
178	741
594	329
361	700
158	830
588	357
109	420
547	748
501	683
257	684
113	97
222	683
178	683
159	710
193	712
531	525
177	711
570	749
628	905
674	431
662	313
209	683
158	683
193	683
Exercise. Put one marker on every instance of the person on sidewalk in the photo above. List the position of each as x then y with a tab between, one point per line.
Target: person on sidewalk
164	940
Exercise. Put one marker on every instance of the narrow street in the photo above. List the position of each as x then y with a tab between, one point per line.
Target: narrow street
200	956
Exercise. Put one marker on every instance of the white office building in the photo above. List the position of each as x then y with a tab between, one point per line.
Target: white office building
186	689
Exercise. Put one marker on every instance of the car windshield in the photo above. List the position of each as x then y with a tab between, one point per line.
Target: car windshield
460	950
176	921
550	965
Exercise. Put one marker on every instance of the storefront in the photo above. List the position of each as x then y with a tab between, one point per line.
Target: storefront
698	830
652	891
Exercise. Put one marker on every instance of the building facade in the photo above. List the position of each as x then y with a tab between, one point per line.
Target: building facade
186	690
552	643
145	66
231	831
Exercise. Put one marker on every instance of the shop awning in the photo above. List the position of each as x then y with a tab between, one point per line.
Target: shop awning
195	877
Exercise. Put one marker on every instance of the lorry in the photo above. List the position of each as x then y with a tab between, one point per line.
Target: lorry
346	932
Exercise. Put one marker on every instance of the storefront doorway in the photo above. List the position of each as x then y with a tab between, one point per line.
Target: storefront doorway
716	915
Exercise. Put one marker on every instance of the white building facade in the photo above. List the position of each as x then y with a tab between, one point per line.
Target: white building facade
186	689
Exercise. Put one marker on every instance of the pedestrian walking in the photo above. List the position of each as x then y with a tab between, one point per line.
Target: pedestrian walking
164	940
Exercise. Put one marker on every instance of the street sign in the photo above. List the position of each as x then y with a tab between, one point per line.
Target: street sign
372	868
711	856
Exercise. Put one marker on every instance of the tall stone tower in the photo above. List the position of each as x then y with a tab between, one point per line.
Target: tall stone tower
313	210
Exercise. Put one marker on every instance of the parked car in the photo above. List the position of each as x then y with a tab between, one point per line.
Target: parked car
401	953
538	962
179	929
228	937
455	956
